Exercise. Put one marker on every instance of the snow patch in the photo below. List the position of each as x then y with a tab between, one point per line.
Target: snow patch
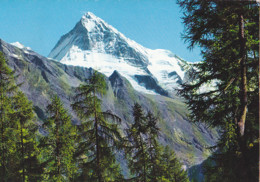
161	65
14	55
20	46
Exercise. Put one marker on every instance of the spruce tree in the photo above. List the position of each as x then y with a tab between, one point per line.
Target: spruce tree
26	150
99	133
154	149
172	170
7	87
147	159
58	146
226	32
137	149
18	140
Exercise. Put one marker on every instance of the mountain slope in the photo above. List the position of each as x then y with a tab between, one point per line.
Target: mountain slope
94	43
43	77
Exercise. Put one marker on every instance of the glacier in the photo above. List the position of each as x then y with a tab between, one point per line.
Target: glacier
94	43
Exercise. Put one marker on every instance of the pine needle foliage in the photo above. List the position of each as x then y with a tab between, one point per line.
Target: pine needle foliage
99	132
137	150
18	148
58	146
224	85
26	149
149	161
172	168
7	86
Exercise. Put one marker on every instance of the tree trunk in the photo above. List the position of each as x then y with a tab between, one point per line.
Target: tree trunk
97	141
22	151
2	137
144	164
243	101
259	97
57	143
243	72
3	149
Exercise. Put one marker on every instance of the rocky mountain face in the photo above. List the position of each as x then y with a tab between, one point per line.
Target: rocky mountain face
94	43
43	77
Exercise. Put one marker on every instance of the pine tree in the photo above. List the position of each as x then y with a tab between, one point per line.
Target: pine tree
137	149
7	87
26	151
147	159
154	149
58	146
18	140
99	138
172	170
226	32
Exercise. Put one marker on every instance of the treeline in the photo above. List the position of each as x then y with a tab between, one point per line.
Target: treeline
228	34
84	152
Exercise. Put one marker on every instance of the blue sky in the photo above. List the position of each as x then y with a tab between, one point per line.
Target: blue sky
39	24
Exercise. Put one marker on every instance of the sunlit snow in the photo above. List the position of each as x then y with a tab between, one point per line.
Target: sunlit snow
160	63
106	64
20	46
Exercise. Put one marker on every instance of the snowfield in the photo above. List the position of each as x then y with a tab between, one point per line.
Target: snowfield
94	43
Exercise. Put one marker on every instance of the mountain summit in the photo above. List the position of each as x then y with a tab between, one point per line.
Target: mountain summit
94	43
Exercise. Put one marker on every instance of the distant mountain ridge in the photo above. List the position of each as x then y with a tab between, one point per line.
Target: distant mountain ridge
42	77
94	43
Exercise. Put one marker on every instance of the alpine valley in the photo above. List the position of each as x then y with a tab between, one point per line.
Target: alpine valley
133	74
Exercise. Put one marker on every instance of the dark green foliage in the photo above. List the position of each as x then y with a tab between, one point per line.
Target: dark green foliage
99	138
7	86
154	149
147	159
172	170
58	146
137	149
226	32
18	139
27	152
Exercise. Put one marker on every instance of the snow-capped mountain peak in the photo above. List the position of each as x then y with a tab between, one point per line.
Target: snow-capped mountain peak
90	15
94	43
90	21
20	46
